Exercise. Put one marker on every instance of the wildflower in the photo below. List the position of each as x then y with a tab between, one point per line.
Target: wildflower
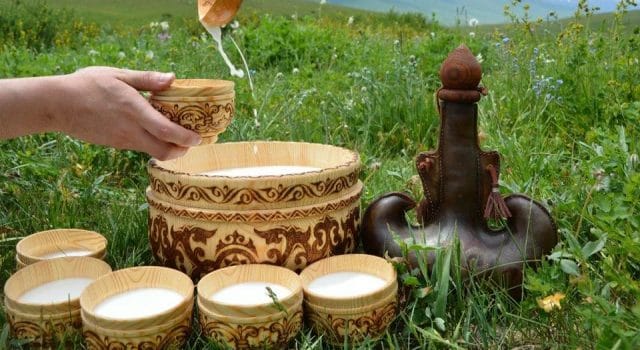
396	42
234	25
482	137
473	22
363	89
433	35
164	25
164	36
559	82
294	17
153	25
93	52
350	21
295	71
505	40
121	55
375	165
349	105
149	55
602	180
322	2
472	34
551	302
334	56
633	160
479	58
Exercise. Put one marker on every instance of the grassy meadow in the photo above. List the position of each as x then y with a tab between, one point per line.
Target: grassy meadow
563	110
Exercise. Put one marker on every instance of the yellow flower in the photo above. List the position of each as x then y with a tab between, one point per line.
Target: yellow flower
551	302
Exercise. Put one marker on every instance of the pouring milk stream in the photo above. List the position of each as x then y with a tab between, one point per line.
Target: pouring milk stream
214	14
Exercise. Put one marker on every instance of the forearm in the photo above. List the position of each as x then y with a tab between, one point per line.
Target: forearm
101	105
27	105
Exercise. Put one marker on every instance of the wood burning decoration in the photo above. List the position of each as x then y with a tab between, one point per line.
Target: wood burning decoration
461	194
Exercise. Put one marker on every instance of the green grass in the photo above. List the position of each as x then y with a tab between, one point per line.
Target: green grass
369	87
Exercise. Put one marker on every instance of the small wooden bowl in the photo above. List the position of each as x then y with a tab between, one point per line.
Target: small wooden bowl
37	246
134	278
208	117
274	331
232	275
40	322
180	181
197	87
355	324
362	263
217	13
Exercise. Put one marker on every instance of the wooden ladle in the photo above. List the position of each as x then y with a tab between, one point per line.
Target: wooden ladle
216	13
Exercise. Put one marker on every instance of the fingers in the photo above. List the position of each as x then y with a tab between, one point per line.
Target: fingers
155	147
161	127
146	81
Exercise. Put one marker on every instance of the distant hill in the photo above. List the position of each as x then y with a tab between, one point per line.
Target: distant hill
485	11
138	12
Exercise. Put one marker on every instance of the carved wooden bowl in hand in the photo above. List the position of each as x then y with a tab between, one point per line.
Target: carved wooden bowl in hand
201	105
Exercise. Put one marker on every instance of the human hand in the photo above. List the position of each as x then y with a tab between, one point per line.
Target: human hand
102	105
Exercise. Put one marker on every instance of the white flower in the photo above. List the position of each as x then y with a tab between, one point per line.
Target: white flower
149	55
93	52
396	42
633	160
322	2
375	165
349	105
479	58
279	75
433	35
350	21
363	89
473	22
164	26
121	55
295	71
153	25
334	56
472	34
235	25
294	16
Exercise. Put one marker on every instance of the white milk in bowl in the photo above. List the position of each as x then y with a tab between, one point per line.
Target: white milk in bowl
57	291
346	284
138	303
273	170
249	293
